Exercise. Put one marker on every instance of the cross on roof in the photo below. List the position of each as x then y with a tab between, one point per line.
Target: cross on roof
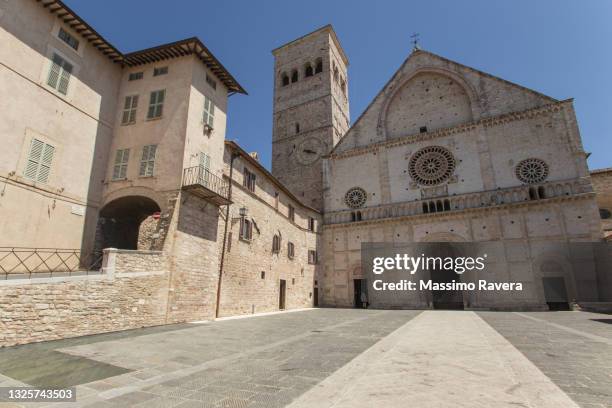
415	41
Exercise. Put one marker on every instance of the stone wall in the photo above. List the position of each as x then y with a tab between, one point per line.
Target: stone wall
602	184
131	293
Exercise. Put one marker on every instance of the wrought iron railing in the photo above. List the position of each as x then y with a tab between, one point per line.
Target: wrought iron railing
199	175
27	263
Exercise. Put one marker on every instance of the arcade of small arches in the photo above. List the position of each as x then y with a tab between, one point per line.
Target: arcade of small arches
309	69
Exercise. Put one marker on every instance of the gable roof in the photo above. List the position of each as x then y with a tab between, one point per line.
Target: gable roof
176	49
416	52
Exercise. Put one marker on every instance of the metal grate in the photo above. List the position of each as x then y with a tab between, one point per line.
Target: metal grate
28	263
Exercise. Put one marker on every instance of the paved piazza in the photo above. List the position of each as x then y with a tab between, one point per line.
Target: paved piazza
334	358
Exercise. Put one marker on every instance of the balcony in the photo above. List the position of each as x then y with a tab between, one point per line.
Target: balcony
202	183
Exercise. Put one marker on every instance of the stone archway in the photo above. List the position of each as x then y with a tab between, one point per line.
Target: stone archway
127	223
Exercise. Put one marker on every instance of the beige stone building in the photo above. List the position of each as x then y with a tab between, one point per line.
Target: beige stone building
120	160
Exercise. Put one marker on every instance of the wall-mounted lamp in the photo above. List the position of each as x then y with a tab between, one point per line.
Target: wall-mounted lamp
243	212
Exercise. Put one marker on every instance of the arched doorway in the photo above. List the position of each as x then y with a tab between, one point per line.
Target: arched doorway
445	299
121	219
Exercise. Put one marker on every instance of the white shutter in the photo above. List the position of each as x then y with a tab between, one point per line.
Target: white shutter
54	71
64	78
45	164
204	160
36	149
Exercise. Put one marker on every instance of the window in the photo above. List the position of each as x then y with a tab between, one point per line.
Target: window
319	66
59	74
121	162
423	129
156	104
68	39
285	79
249	179
129	110
297	128
209	111
135	76
343	86
291	213
39	161
263	274
204	161
290	250
276	244
312	257
311	224
211	82
147	161
160	71
294	76
308	72
246	229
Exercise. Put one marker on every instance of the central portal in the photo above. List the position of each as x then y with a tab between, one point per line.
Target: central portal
445	299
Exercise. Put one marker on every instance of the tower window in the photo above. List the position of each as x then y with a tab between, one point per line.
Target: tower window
285	79
297	128
343	86
294	76
319	66
423	129
308	72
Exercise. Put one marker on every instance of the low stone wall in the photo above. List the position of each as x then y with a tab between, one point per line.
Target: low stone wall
131	292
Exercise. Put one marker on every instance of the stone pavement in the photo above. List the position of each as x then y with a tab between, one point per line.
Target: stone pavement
339	358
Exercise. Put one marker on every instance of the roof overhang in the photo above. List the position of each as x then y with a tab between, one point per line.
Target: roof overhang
189	46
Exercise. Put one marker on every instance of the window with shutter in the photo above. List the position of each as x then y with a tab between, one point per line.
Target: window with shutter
246	229
204	160
290	250
276	244
59	74
40	157
312	257
156	104
209	111
129	110
121	162
147	161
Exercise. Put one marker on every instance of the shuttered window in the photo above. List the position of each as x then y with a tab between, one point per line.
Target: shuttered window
204	160
290	250
147	162
246	229
40	157
156	104
59	74
129	110
121	163
312	257
209	111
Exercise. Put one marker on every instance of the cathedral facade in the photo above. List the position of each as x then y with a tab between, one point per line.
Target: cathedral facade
444	153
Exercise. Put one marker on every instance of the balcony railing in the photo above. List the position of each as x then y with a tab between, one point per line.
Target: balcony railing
201	182
28	263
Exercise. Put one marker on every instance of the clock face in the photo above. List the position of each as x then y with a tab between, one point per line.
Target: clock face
310	150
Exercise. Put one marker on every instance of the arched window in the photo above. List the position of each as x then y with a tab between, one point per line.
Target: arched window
358	216
541	192
308	70
276	244
336	74
446	205
432	207
294	76
284	79
439	206
425	208
318	66
533	195
297	128
343	86
353	216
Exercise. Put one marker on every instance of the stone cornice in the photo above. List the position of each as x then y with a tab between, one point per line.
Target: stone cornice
485	123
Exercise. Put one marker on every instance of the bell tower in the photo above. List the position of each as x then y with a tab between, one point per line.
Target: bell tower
311	110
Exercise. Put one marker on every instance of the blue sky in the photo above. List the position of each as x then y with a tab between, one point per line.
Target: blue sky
558	47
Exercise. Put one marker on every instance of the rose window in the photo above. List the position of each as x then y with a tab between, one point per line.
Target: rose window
355	197
531	171
431	165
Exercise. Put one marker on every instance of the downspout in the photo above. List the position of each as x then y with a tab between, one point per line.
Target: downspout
227	220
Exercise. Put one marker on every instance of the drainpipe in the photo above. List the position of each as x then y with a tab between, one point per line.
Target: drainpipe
227	219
